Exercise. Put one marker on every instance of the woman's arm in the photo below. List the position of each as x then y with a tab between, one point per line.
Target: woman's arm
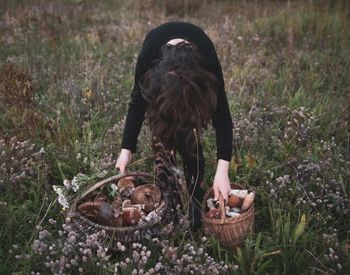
222	122
124	159
221	180
135	115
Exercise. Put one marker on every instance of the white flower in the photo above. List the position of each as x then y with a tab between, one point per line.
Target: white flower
75	184
58	189
63	201
66	183
114	187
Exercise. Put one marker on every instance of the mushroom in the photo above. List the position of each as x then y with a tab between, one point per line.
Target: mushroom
147	194
248	200
139	206
101	197
90	209
118	218
232	214
106	215
238	193
210	203
126	203
234	201
131	216
125	187
116	203
216	203
213	213
235	209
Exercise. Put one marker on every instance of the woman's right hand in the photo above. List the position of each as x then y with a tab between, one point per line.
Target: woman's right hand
124	159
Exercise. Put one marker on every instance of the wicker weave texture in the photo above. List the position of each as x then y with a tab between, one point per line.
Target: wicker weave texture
83	225
230	232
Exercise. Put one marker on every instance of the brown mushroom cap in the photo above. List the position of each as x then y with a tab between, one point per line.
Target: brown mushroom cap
97	211
213	213
101	197
131	216
234	201
90	209
125	185
147	194
116	203
106	215
118	218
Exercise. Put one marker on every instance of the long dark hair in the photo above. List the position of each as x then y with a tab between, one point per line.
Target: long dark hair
181	95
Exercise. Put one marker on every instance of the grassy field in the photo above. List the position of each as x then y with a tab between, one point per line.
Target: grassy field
66	73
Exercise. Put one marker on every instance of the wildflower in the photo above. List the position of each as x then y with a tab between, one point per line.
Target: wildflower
66	183
114	187
87	93
75	184
52	221
158	266
136	257
63	201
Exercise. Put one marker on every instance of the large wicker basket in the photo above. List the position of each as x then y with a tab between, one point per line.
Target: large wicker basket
230	232
83	226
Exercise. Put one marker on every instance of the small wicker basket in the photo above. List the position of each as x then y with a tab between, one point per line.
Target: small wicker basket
83	226
230	232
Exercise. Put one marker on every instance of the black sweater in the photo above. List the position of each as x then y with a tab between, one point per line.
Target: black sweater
151	50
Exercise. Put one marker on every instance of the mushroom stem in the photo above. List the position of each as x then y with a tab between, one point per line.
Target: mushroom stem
139	206
126	203
235	209
248	200
232	214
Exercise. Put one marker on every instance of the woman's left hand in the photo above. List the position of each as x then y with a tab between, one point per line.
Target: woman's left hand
221	180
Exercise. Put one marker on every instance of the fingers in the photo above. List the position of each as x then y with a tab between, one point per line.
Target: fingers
120	166
225	196
123	160
216	193
122	169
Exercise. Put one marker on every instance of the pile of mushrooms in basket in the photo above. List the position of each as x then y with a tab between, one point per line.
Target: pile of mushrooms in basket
239	201
128	206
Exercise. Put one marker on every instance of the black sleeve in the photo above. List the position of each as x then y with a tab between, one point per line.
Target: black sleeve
222	121
137	108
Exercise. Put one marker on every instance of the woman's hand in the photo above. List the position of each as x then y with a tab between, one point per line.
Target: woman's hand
221	180
123	160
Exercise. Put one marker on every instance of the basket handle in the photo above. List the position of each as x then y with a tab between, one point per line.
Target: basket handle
222	208
113	178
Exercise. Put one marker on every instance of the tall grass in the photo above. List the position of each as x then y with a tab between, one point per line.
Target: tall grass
67	69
